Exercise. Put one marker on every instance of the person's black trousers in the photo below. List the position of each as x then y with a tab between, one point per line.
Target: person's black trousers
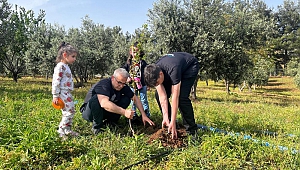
96	114
185	104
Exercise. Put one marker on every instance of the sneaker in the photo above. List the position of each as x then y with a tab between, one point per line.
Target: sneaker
63	136
192	131
111	124
96	131
71	133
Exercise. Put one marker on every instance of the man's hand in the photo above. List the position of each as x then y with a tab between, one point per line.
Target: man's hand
129	113
146	119
165	122
172	129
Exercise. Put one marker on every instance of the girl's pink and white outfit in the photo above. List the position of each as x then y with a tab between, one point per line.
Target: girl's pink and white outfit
62	85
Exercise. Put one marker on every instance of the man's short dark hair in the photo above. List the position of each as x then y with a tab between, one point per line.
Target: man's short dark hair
151	74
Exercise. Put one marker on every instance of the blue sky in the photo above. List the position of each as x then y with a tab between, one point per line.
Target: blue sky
128	14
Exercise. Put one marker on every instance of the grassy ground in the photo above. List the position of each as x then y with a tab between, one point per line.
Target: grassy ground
252	130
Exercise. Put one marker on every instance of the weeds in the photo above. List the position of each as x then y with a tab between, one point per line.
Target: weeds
28	137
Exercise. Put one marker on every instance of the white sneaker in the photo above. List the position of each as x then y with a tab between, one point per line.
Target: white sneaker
63	136
71	133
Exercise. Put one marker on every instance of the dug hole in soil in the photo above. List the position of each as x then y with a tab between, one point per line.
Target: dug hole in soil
161	134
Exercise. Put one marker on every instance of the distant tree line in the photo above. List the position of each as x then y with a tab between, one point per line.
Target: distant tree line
240	42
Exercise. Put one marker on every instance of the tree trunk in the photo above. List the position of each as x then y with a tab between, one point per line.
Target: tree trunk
241	88
47	76
15	76
227	86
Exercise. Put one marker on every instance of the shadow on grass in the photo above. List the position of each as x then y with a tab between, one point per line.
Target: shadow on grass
274	84
25	89
247	129
275	90
272	80
19	93
280	99
41	82
49	150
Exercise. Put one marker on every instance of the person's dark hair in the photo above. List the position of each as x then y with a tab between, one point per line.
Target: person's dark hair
65	47
151	74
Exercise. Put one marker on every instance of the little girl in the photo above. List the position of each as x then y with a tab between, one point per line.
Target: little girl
62	85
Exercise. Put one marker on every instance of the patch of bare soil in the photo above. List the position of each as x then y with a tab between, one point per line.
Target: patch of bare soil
158	134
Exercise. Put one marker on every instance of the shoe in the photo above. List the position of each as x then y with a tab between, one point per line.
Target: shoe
65	132
192	131
63	136
193	135
111	124
71	133
96	131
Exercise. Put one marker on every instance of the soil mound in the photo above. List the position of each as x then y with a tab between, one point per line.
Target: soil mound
166	139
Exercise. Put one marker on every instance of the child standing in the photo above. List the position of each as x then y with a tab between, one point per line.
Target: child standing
135	66
62	85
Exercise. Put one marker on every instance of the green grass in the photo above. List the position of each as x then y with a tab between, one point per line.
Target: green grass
28	137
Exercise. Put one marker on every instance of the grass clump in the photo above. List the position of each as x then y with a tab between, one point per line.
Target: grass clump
252	130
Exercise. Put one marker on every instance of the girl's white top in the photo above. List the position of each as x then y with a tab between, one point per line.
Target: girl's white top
62	79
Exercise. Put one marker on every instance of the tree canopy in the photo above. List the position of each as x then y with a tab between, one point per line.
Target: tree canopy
235	41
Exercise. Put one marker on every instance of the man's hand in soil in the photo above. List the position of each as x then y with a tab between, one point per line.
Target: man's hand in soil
165	122
172	129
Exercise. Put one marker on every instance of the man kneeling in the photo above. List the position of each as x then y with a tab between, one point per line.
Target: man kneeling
109	100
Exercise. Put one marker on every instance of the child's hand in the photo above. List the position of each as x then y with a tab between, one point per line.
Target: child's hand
55	100
128	80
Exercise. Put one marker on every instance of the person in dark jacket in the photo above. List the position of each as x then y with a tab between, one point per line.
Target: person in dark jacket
174	75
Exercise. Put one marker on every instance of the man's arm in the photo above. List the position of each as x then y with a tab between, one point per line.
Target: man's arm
163	100
139	105
175	101
112	107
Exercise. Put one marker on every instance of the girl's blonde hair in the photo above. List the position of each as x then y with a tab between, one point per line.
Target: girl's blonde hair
65	47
